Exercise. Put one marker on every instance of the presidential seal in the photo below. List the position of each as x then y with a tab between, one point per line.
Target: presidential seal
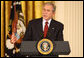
45	46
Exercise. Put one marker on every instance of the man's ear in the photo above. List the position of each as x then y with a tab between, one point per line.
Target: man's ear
53	13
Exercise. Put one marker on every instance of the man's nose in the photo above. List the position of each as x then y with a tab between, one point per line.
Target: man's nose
45	12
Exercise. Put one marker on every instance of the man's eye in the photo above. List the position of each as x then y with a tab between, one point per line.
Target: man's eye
48	10
44	9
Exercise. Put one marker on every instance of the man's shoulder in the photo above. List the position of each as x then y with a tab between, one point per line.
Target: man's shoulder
57	22
35	20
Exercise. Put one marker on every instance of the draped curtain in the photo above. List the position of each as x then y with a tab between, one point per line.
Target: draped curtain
30	9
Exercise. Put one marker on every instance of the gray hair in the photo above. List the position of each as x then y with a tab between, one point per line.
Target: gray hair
50	3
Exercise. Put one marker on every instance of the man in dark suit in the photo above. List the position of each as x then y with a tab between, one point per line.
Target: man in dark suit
37	27
35	31
45	27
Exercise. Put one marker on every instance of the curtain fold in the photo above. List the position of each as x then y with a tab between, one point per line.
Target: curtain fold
30	11
7	16
24	9
38	8
2	28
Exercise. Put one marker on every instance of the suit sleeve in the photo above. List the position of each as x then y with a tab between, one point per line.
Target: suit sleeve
60	33
28	33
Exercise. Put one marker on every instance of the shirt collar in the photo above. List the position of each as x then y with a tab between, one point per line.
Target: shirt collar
48	21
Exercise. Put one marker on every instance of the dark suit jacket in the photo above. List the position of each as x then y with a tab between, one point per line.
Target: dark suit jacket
34	31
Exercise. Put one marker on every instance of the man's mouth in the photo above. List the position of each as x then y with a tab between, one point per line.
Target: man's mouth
44	16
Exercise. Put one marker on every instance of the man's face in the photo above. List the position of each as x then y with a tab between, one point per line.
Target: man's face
47	12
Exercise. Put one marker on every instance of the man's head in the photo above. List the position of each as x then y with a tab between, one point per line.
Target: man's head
48	10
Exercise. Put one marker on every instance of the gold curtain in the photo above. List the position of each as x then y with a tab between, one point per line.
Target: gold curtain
30	9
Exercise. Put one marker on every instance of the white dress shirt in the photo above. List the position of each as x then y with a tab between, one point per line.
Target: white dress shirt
43	23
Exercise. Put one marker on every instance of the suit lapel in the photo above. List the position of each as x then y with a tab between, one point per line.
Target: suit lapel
50	29
40	28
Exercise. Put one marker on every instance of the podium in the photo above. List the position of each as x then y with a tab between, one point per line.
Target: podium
30	48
